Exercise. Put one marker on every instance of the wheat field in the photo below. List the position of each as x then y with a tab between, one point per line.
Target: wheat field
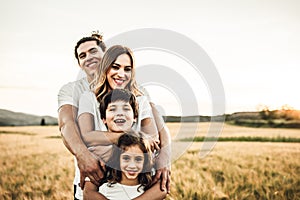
36	165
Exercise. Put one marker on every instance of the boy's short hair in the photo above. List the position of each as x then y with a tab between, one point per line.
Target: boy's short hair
118	95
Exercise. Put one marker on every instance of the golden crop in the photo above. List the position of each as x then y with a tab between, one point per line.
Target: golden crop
36	165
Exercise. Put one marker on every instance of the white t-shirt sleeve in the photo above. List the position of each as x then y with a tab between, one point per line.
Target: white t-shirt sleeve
103	189
70	93
86	103
145	110
65	95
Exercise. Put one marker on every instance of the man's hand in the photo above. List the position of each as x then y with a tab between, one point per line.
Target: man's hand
163	172
164	175
163	161
90	167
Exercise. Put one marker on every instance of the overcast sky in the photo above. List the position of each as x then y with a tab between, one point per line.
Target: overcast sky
254	45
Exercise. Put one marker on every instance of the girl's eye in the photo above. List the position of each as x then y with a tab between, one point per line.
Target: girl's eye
139	159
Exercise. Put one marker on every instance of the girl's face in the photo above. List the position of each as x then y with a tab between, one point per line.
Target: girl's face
131	164
119	116
119	75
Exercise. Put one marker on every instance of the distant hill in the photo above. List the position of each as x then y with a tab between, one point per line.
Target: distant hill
275	119
284	118
10	118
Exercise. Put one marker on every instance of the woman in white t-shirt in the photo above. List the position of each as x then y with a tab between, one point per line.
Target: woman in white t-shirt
117	70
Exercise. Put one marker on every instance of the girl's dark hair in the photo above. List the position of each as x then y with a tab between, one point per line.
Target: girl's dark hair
132	138
118	95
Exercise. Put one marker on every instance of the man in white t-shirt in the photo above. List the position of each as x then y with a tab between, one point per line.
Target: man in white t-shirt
88	52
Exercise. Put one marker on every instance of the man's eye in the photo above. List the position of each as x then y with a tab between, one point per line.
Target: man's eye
94	51
82	56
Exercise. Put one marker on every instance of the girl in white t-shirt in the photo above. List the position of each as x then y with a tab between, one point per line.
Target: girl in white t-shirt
129	168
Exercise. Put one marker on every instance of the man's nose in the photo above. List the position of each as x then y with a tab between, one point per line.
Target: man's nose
88	57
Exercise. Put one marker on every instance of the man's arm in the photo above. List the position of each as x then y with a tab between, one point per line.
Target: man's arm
88	165
91	192
163	163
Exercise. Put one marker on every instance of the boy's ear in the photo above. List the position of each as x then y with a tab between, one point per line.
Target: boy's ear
104	121
134	120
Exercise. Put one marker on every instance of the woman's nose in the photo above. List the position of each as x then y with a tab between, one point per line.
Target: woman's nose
121	72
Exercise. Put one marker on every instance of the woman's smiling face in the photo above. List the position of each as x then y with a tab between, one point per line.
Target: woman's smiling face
119	74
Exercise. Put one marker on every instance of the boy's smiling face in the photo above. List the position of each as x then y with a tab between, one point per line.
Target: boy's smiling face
119	116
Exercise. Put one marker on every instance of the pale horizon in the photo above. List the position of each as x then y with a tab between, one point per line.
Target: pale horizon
254	46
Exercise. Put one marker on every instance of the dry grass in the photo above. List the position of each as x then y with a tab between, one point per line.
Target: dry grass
38	166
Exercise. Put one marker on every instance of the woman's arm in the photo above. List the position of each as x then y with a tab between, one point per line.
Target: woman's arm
92	137
147	123
91	192
148	127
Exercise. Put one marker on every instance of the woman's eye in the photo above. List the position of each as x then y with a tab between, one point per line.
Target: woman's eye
115	67
127	69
